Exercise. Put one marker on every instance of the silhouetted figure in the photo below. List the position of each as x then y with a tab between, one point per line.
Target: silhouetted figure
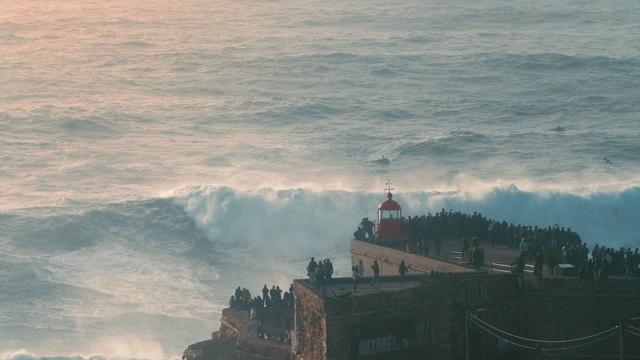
320	283
537	265
311	271
604	273
328	272
359	234
355	275
438	244
265	295
376	273
552	261
465	247
402	269
518	265
238	298
524	247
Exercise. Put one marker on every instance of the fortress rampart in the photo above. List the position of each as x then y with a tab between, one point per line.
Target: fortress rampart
364	253
429	321
429	318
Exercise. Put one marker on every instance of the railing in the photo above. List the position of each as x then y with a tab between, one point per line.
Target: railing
528	269
458	255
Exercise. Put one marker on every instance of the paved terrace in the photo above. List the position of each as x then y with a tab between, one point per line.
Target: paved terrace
450	252
497	260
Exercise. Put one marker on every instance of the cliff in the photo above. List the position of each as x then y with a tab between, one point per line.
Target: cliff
236	339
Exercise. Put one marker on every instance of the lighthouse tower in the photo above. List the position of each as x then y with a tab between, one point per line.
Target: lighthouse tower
391	226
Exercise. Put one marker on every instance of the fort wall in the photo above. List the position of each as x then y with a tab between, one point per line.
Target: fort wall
430	321
364	253
569	308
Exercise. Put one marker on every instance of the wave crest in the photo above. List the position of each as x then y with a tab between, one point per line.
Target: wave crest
295	223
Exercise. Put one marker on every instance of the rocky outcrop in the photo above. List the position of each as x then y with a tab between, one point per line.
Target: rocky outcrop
236	339
221	348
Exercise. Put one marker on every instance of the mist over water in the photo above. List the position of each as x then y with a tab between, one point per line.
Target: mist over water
155	157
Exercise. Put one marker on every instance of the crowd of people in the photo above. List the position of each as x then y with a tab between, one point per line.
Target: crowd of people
551	245
603	261
598	263
455	225
274	299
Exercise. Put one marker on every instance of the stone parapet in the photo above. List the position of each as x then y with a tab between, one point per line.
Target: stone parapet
363	254
429	320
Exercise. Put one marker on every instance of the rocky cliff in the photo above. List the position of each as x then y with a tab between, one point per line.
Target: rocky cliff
236	339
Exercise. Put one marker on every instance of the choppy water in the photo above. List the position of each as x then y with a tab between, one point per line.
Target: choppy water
156	156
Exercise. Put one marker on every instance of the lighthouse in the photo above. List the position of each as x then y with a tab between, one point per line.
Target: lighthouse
391	225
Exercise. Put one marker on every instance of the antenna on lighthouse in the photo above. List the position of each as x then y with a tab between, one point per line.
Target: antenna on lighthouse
388	188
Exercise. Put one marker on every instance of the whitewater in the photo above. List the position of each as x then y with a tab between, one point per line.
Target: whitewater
156	155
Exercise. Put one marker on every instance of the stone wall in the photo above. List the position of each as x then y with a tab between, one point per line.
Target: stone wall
310	327
427	319
442	318
364	253
430	321
569	308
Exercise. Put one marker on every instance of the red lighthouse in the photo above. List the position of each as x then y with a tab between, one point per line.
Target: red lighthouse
391	226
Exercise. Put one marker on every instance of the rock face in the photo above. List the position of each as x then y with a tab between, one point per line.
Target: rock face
219	348
236	339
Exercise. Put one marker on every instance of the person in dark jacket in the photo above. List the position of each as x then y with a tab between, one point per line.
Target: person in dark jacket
402	269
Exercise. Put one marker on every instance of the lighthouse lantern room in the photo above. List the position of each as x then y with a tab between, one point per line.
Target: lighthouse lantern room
391	226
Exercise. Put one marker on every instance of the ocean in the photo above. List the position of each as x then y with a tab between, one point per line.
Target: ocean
157	155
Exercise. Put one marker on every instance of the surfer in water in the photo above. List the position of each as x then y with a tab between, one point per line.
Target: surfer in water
382	160
606	160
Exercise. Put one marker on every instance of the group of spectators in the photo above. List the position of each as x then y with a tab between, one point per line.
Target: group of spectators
320	273
274	299
551	245
471	250
489	231
602	263
455	224
365	230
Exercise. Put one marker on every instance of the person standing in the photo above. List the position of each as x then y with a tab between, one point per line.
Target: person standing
465	247
524	248
311	271
320	283
238	298
376	273
402	269
265	295
355	275
552	261
537	264
438	243
425	246
328	271
630	264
